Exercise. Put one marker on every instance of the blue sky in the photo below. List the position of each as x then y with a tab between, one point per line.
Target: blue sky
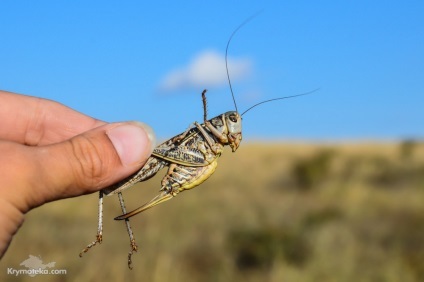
150	62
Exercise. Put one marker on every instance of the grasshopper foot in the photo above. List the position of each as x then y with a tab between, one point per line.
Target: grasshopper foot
92	244
134	248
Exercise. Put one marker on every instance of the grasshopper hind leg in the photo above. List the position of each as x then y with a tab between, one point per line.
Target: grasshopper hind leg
99	236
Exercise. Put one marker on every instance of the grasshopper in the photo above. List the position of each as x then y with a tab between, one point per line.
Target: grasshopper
190	158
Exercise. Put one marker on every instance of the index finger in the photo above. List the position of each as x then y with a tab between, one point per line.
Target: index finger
36	121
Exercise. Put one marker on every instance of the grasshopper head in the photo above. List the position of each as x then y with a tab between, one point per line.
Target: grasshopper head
233	123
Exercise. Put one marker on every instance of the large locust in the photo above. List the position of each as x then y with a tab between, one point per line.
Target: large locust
190	158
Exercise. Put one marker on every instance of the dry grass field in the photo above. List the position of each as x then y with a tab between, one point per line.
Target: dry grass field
271	212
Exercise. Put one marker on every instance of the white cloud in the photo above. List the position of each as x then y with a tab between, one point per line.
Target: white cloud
207	69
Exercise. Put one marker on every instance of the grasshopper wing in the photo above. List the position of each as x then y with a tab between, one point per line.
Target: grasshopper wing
192	150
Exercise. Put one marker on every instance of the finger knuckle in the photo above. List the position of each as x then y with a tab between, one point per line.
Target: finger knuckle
90	166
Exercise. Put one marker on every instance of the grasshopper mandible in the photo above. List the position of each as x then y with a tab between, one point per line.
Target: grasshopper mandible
190	157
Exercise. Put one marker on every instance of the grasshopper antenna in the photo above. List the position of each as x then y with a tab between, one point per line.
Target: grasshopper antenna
280	98
226	52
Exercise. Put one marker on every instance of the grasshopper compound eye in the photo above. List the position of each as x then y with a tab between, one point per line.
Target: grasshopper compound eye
233	118
190	158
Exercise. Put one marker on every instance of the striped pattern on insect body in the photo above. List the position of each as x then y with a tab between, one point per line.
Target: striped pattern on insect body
191	158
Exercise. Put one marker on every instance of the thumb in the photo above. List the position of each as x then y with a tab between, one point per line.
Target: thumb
93	160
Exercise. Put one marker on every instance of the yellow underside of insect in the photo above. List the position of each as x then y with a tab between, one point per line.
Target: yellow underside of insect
201	177
201	174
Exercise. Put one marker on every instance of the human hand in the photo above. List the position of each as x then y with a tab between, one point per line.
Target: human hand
50	152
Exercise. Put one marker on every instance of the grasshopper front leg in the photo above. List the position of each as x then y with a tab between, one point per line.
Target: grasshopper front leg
215	147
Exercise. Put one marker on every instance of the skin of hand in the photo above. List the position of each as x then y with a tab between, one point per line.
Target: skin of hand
50	152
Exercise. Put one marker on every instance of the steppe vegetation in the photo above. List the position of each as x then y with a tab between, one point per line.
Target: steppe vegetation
271	212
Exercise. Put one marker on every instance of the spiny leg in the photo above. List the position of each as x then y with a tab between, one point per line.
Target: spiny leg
215	147
223	138
205	109
99	227
212	129
130	233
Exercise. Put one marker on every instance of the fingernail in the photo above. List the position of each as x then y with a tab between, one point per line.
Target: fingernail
134	142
